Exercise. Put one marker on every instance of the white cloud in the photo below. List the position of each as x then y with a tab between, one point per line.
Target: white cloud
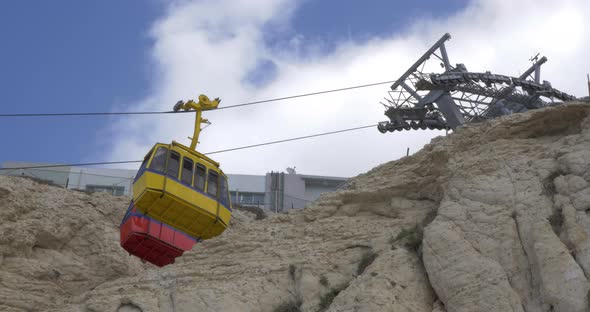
209	47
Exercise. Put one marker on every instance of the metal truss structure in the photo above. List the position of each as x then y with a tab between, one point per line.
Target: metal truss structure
456	96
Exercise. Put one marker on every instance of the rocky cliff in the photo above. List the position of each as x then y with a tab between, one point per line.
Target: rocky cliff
494	217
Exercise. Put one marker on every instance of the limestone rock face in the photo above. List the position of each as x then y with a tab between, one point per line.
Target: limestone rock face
57	244
395	281
493	217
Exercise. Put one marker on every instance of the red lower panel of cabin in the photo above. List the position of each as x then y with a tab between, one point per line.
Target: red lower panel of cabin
153	241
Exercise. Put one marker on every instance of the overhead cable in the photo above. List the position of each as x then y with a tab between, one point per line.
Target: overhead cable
209	153
173	112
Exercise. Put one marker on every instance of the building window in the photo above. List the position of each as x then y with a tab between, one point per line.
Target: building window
247	198
200	173
110	189
173	164
212	182
144	163
187	171
159	161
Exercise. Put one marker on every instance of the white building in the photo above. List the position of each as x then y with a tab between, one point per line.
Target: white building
114	181
275	191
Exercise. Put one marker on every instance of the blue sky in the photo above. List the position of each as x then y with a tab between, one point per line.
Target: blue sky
332	21
110	55
70	56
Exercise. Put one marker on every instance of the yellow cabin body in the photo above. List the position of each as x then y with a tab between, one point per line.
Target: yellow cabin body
184	189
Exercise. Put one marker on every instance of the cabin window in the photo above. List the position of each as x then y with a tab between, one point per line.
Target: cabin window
173	164
212	181
186	175
159	161
224	193
200	172
144	164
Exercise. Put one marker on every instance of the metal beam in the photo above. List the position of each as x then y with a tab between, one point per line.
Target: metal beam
445	56
533	68
421	60
450	110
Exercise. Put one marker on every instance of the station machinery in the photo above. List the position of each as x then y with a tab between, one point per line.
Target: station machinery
455	96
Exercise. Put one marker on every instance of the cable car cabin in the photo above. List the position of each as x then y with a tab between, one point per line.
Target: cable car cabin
151	240
183	188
